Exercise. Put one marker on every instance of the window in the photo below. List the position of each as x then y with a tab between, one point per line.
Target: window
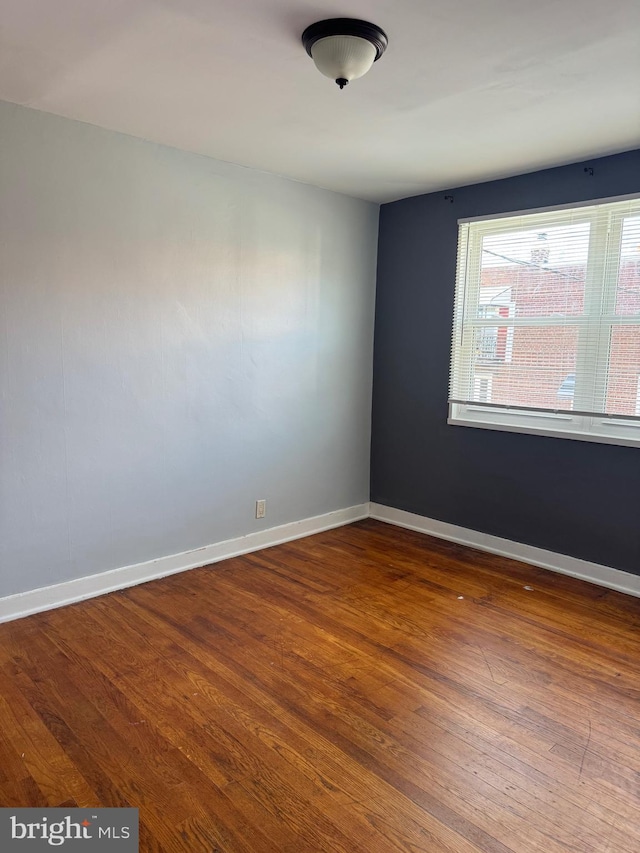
495	342
482	389
546	334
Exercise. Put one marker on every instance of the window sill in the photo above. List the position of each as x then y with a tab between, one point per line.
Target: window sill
552	426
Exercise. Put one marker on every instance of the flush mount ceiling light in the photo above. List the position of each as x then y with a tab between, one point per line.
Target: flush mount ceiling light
344	48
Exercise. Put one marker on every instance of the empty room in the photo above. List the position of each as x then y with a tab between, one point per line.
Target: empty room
320	426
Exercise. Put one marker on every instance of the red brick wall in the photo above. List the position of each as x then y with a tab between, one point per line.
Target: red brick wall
542	358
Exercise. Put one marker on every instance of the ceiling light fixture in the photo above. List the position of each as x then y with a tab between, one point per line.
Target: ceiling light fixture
344	48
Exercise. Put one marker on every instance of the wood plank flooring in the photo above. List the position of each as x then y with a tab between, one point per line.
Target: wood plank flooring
365	690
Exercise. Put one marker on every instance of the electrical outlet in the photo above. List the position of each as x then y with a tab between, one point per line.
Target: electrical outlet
261	509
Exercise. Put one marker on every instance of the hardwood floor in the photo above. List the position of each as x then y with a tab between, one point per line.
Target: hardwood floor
365	690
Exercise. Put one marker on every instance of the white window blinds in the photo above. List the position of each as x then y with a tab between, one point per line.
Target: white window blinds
546	334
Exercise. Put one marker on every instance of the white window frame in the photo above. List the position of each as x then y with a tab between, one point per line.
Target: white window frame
579	424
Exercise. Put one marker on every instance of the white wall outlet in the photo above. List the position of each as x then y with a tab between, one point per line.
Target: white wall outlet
261	509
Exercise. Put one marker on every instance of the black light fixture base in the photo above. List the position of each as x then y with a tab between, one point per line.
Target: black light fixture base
342	82
345	27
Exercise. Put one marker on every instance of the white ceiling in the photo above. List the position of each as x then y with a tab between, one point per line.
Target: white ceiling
467	91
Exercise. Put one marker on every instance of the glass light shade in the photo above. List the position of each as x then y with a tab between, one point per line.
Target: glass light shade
343	57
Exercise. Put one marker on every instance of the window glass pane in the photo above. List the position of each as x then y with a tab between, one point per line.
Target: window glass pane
494	343
538	273
540	370
628	289
623	386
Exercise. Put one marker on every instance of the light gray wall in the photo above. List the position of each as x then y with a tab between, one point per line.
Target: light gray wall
178	337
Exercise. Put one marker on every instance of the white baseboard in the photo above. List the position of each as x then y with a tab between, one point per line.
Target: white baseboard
49	597
565	565
68	592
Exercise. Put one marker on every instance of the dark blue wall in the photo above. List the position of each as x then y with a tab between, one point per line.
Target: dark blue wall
572	497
